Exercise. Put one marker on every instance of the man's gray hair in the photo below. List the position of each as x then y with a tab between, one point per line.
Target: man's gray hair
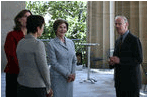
123	17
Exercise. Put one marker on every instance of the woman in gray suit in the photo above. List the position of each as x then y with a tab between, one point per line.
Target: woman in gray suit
33	78
62	60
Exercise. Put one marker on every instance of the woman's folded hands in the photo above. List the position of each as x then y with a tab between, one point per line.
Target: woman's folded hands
71	78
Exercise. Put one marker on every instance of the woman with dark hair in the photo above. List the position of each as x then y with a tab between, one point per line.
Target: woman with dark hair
33	78
13	37
62	59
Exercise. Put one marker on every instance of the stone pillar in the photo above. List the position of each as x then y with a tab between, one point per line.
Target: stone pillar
98	50
95	28
9	9
134	17
122	8
99	27
143	35
106	31
143	28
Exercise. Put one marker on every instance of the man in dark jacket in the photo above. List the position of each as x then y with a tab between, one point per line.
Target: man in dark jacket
126	60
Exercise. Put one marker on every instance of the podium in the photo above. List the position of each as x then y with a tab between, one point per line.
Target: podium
88	45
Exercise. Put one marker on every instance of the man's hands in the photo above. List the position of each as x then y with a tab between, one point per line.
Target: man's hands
114	60
71	78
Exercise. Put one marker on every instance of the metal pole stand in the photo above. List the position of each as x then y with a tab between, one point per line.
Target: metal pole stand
88	72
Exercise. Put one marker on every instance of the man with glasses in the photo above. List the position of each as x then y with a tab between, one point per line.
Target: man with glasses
126	60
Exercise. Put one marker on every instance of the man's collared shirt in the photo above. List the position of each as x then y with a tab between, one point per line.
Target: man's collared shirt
124	35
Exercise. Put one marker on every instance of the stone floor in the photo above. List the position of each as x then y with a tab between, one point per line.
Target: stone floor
104	87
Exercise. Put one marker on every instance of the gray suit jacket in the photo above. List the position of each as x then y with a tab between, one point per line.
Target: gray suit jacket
62	57
63	62
34	71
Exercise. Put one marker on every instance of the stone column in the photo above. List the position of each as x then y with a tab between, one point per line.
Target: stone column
106	31
9	9
143	28
143	35
134	17
98	50
99	27
95	28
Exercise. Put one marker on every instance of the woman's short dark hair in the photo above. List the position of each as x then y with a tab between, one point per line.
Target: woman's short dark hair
34	21
57	23
17	17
